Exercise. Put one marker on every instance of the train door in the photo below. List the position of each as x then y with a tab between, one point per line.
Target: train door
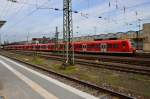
84	47
103	47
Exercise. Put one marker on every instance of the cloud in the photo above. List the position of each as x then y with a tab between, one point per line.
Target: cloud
23	17
113	19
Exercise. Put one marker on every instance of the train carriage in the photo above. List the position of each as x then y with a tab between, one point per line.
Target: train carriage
105	46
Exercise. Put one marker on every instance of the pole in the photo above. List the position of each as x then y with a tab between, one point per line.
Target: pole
28	38
95	30
56	38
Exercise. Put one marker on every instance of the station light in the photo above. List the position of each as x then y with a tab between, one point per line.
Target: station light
56	9
75	11
99	17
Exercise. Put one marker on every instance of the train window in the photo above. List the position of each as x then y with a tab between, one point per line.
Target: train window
84	46
44	46
49	46
89	46
61	46
37	47
97	46
109	46
80	46
53	46
133	44
115	45
124	44
104	46
101	46
76	46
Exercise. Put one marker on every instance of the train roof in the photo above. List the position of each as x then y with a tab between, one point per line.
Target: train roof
87	42
103	41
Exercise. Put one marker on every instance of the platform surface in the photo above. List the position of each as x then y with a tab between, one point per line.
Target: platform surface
17	81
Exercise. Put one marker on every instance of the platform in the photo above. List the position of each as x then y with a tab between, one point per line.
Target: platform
17	81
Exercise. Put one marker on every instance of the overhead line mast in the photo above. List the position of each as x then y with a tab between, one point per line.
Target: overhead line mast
68	33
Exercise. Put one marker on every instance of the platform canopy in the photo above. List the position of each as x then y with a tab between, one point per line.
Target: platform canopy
2	23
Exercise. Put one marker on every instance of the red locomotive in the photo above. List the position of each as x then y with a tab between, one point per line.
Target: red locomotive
105	46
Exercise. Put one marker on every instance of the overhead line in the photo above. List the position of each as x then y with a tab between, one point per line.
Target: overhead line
22	19
3	11
7	10
16	13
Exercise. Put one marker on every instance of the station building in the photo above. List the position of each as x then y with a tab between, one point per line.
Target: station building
146	36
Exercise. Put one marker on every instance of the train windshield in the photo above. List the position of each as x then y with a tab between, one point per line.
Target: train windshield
133	44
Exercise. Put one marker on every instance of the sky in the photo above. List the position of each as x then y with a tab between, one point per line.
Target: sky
36	18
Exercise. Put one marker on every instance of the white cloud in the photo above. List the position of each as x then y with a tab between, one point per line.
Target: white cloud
44	21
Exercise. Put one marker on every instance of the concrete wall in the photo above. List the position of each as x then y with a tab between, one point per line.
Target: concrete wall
146	34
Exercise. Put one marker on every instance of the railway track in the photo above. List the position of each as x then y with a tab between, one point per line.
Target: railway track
109	94
103	58
144	70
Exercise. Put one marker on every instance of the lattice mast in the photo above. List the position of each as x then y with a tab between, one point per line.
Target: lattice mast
56	38
68	32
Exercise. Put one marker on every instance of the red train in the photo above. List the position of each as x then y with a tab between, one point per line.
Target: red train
105	46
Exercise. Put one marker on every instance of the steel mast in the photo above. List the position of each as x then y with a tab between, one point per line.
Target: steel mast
68	32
